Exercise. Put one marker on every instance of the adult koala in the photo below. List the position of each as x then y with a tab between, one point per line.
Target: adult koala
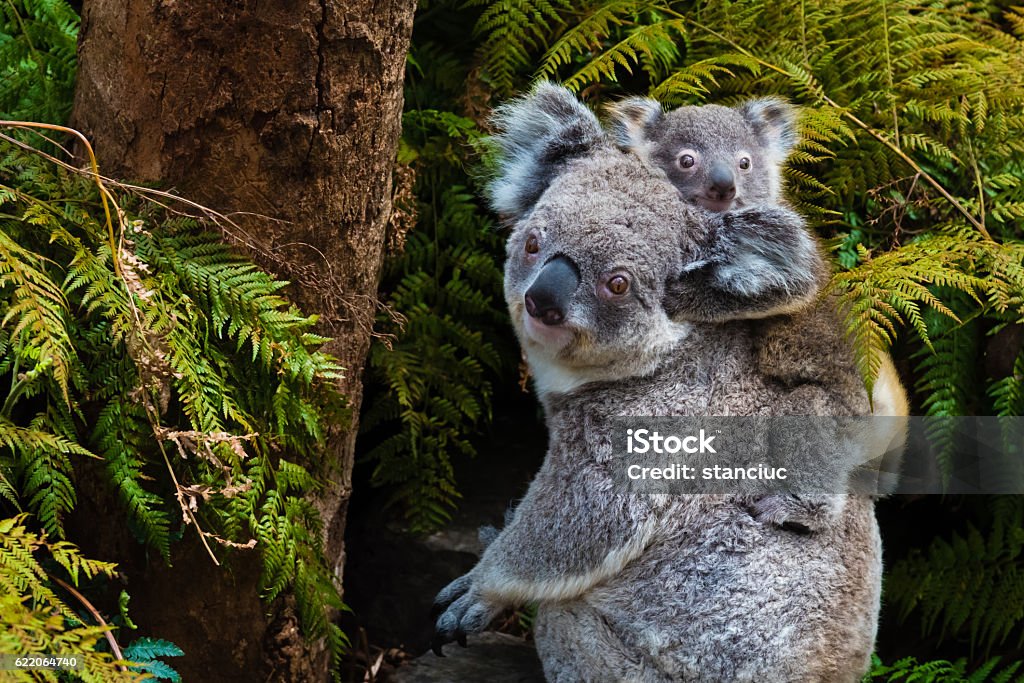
651	588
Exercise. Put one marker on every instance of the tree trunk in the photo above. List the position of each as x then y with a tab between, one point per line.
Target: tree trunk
289	109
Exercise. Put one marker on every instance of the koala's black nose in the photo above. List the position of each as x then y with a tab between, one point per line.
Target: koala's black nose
721	182
548	297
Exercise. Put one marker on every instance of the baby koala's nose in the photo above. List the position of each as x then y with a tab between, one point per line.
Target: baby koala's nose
548	297
721	183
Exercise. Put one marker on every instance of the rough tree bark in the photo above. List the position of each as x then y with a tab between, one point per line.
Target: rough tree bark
289	109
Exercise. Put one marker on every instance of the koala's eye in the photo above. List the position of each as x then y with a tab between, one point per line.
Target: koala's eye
687	161
745	163
618	284
532	244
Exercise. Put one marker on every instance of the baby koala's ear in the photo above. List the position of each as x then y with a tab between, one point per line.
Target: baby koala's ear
631	120
535	136
773	121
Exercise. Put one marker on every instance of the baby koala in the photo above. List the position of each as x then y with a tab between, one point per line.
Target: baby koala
728	161
721	158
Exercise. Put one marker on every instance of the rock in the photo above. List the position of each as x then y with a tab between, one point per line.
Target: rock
490	657
454	539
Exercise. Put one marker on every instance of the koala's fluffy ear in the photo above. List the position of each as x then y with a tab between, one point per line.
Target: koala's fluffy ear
536	135
774	121
631	119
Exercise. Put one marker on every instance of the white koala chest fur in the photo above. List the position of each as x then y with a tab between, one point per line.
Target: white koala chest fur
553	376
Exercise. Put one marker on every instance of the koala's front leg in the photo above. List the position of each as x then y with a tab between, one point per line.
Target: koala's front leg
570	532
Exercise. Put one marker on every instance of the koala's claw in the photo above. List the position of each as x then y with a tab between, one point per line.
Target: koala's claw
438	642
467	613
803	515
449	606
452	592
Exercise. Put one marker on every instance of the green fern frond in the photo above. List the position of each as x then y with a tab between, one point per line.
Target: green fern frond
948	374
35	310
36	620
888	291
1007	393
652	46
431	386
146	656
909	670
971	585
140	353
511	30
38	42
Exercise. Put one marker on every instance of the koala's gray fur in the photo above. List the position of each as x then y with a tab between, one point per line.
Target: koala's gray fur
652	588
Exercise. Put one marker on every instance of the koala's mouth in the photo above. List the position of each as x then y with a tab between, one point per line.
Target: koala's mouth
554	338
715	204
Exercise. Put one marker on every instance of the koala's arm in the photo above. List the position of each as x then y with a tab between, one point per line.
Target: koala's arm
808	355
751	263
820	449
569	533
850	445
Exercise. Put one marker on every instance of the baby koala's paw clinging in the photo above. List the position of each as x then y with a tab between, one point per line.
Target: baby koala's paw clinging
804	514
462	610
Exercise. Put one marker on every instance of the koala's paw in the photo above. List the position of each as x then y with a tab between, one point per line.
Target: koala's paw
800	514
462	610
764	223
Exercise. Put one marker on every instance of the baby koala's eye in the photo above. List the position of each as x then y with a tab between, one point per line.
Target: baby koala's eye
532	244
618	284
745	163
687	161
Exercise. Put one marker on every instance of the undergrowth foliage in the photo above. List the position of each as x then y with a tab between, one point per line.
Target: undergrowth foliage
38	620
431	382
971	585
38	62
134	337
909	670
